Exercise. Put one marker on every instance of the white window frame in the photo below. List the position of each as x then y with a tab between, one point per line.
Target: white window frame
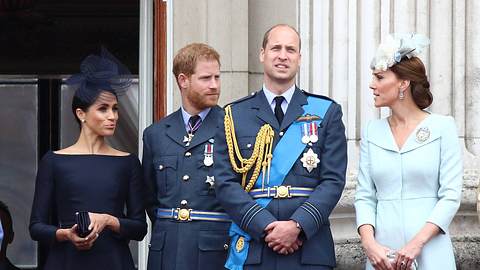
145	106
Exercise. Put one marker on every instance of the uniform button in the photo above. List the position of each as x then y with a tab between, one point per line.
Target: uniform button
184	202
281	133
187	154
186	177
225	246
160	167
252	94
249	145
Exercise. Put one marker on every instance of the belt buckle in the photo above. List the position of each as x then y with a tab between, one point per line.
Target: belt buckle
282	192
184	214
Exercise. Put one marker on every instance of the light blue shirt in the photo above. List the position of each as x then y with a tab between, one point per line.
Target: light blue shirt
287	95
186	116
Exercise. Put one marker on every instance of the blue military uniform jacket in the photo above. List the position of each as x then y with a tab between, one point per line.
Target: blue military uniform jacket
312	212
174	173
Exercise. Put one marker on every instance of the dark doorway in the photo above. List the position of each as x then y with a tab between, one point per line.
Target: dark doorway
53	36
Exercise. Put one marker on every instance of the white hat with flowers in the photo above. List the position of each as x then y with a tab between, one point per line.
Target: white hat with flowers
397	46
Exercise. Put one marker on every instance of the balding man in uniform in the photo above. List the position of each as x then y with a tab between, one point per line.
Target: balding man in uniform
280	166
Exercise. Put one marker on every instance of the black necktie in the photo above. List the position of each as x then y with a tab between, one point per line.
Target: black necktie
278	108
194	123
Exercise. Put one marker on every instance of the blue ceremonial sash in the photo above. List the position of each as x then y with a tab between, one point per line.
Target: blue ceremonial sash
285	154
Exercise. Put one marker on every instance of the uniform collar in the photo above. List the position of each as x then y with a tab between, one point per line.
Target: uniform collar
265	113
186	116
270	95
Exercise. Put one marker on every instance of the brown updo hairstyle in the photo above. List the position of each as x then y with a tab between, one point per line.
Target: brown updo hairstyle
412	69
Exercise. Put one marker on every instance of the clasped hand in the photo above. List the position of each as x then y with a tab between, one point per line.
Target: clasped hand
98	222
282	237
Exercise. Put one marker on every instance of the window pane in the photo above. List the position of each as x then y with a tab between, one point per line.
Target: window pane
18	162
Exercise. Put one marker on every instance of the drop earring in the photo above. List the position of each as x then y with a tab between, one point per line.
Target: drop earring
401	95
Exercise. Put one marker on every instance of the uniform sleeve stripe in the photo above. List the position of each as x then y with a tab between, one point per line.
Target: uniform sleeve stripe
248	213
252	216
313	215
314	211
320	217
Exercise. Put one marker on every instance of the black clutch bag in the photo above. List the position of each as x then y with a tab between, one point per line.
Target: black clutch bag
83	221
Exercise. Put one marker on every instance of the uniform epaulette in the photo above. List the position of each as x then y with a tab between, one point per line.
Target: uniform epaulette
319	96
241	99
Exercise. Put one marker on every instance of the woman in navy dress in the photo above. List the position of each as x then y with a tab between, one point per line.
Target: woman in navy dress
91	176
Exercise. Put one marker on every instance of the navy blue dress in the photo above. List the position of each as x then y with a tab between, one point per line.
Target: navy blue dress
96	183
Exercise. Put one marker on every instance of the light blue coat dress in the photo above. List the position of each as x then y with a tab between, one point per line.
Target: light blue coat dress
399	190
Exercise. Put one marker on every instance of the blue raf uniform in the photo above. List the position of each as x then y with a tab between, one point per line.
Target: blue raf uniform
307	194
190	229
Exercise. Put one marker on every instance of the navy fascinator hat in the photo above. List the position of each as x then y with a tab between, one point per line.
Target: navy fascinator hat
100	73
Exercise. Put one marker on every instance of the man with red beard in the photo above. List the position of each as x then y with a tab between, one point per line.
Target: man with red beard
190	229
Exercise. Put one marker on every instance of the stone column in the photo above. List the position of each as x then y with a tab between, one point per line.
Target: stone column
440	68
222	24
472	74
261	16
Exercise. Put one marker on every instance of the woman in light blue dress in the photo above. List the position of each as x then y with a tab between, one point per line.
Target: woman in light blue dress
410	176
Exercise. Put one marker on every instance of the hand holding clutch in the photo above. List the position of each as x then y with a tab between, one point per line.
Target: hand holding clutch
83	222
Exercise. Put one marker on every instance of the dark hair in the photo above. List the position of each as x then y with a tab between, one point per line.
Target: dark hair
412	69
83	104
267	35
98	73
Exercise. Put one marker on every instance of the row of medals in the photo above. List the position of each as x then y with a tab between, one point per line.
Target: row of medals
309	160
310	136
207	155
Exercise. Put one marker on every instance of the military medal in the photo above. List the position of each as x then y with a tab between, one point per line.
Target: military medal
309	133
240	244
191	129
305	133
208	155
210	180
187	139
313	132
422	134
310	160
